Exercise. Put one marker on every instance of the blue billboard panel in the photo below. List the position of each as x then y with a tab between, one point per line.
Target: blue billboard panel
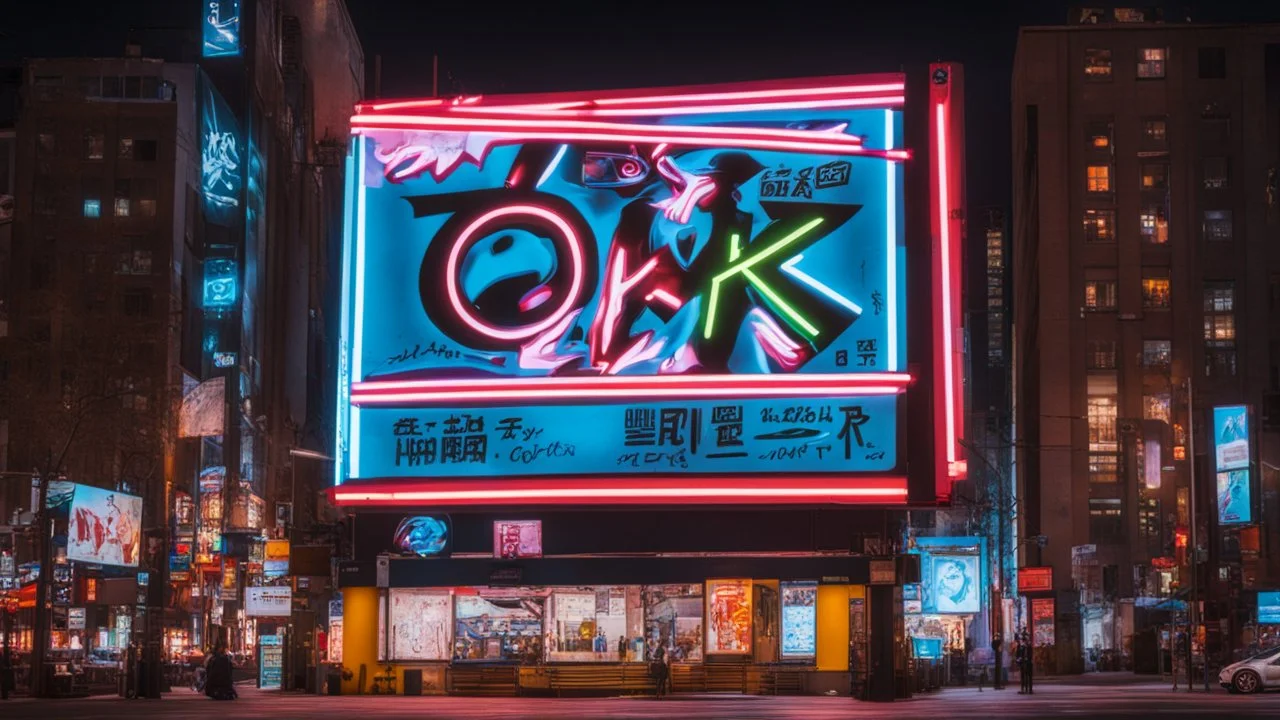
545	300
1269	607
799	619
1232	456
221	172
221	23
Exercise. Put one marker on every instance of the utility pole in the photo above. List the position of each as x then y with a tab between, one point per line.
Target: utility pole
40	634
1193	538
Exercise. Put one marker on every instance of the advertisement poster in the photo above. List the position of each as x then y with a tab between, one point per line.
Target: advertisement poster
729	617
551	274
498	628
420	621
953	584
1234	497
75	618
275	559
104	527
268	601
1042	621
270	662
221	28
514	539
1269	607
221	172
1231	437
673	620
799	619
203	409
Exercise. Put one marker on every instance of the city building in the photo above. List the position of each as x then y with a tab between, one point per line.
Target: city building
172	303
654	369
1146	281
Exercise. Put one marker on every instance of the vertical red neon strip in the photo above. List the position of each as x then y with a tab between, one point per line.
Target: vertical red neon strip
946	151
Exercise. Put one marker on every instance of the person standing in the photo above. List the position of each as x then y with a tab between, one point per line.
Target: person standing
6	673
658	669
997	648
622	648
1028	663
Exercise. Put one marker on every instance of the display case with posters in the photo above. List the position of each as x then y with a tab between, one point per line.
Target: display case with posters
587	624
421	621
492	625
673	620
728	617
799	620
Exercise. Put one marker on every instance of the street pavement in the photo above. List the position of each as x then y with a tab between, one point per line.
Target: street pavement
1057	699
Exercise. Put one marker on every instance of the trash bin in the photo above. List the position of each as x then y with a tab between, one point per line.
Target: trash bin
413	681
334	681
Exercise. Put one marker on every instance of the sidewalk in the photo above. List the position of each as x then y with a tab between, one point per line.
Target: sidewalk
1102	679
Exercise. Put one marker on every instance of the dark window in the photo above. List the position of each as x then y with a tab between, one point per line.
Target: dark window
133	87
1154	129
1097	64
46	145
1220	361
144	150
1106	521
1213	63
1099	226
144	193
1217	173
111	86
1097	134
137	302
1217	226
126	148
1215	133
1155	176
93	145
1102	355
41	271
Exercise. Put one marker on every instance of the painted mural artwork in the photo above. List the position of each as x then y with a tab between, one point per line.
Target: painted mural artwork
104	527
729	616
420	624
711	288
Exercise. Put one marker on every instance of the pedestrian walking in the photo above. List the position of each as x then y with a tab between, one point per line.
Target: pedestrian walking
660	672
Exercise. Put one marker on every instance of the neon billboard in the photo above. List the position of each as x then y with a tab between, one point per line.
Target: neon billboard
693	294
221	28
1232	447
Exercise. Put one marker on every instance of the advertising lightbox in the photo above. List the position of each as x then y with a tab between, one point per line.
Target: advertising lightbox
1269	607
275	601
728	617
799	620
1232	447
692	294
514	539
221	28
221	173
104	527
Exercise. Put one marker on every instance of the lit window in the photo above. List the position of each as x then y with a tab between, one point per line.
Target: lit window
1100	295
126	148
1151	63
1099	178
1097	64
1217	173
1219	297
1220	328
1155	293
1157	353
122	207
1102	412
1153	129
1158	406
92	208
1099	226
1155	176
1154	224
1217	225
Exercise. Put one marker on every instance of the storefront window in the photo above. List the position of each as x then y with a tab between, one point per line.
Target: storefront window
420	621
493	626
594	624
729	617
673	620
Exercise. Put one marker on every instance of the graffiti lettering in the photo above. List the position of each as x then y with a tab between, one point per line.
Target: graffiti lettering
867	350
802	414
833	174
418	351
785	453
677	459
528	455
851	433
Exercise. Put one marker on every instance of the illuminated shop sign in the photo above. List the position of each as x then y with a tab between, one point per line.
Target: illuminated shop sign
953	574
221	25
221	171
1232	456
691	296
517	539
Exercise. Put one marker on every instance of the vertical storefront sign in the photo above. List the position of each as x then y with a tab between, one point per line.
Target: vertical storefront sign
1232	447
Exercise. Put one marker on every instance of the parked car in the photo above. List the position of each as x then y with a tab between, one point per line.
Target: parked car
1253	674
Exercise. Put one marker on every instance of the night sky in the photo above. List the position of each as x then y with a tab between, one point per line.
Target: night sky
545	46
